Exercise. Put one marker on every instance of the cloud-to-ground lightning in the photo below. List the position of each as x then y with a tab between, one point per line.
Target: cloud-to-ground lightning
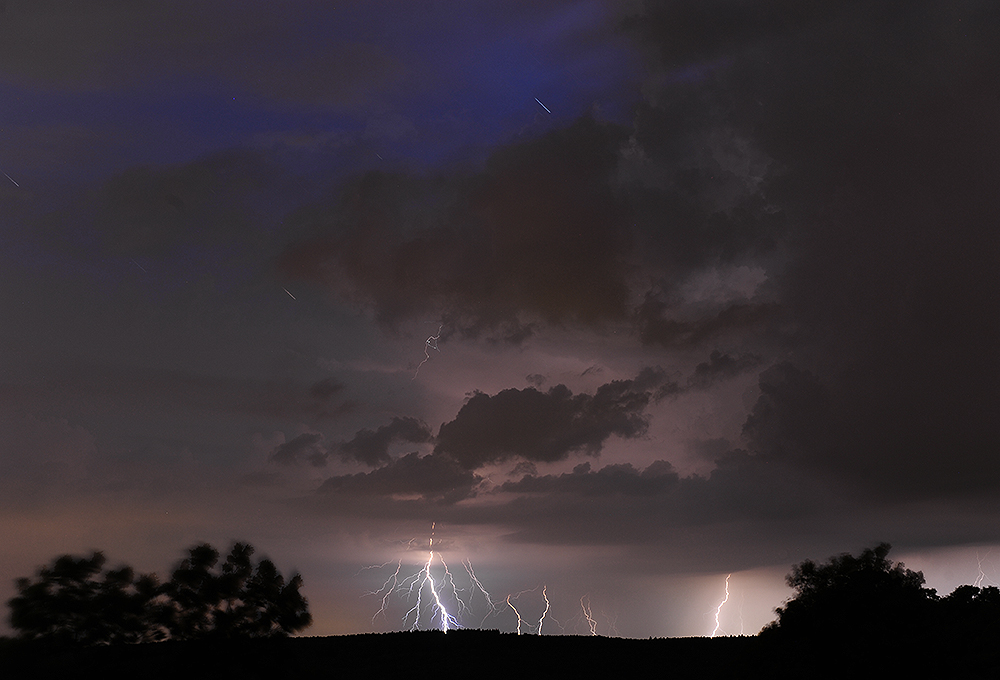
978	583
543	106
718	610
532	628
588	614
415	586
431	343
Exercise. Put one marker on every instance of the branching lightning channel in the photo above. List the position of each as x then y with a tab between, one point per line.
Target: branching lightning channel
431	343
718	610
426	591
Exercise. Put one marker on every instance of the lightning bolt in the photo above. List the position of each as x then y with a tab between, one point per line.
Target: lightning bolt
388	587
475	581
978	583
431	343
588	614
541	620
425	590
718	609
532	628
516	613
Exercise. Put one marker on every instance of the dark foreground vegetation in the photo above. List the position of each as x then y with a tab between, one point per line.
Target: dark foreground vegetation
75	601
853	616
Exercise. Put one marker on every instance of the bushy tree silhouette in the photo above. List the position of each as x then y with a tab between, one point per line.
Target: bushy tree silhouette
75	600
238	601
867	597
70	601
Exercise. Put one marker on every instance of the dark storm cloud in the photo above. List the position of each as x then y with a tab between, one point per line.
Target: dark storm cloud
305	447
166	391
620	478
542	426
620	504
432	478
223	200
880	121
539	234
722	366
719	367
114	45
791	419
657	327
371	447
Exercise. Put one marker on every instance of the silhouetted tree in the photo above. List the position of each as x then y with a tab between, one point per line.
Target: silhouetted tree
972	614
238	601
70	602
865	598
75	601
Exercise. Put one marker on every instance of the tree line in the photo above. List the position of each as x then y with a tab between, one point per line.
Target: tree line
76	600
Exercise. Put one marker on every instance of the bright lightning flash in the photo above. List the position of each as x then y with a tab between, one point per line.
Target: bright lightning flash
588	614
718	609
423	586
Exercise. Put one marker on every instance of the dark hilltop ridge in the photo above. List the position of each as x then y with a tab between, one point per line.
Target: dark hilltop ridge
494	654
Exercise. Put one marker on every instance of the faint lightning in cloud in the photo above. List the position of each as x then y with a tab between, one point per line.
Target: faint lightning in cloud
543	106
718	609
431	343
11	180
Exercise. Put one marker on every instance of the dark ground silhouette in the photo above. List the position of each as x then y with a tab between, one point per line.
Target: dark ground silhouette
852	616
473	653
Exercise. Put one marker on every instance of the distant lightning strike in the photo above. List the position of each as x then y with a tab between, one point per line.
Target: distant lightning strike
516	613
978	583
424	582
718	609
542	619
532	628
588	614
431	343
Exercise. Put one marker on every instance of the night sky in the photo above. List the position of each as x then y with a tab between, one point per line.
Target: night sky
621	298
